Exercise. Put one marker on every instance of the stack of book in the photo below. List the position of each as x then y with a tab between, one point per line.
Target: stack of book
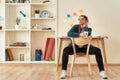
18	44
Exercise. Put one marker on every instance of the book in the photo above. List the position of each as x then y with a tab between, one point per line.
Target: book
7	56
9	52
50	43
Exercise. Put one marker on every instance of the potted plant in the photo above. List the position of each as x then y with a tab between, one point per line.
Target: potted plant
37	13
17	23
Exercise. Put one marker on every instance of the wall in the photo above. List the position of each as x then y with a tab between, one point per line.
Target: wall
104	19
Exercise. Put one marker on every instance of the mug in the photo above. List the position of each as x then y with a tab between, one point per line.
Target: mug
85	33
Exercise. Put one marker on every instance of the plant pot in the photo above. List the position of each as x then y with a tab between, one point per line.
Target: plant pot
17	27
37	15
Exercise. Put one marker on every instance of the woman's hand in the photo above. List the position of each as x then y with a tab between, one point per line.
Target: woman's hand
82	35
83	25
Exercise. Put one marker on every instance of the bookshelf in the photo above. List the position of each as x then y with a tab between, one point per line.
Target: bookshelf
2	31
39	36
31	30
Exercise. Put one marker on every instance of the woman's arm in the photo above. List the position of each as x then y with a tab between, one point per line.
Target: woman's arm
73	32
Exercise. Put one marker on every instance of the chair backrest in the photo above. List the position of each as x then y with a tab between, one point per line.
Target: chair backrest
81	41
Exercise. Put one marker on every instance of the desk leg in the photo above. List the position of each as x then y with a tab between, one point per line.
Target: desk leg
59	52
104	54
98	43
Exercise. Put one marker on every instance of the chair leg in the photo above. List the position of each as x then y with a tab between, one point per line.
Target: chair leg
72	63
89	66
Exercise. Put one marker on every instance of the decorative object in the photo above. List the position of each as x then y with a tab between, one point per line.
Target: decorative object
37	13
46	1
71	25
81	11
46	28
21	56
75	14
68	15
10	1
51	17
44	14
27	1
17	23
35	26
20	1
23	14
52	59
38	54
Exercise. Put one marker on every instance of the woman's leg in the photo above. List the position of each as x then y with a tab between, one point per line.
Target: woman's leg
93	51
99	59
66	52
97	52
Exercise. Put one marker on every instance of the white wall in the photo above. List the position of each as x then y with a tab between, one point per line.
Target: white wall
104	16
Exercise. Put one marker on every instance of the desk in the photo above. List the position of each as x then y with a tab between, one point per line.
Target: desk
98	39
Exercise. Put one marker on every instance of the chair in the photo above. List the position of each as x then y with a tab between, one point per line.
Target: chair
81	41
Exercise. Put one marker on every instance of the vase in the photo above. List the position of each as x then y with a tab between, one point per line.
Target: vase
37	15
17	27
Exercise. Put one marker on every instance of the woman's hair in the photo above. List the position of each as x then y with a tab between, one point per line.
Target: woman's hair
86	18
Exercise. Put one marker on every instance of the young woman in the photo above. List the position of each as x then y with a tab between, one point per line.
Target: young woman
78	31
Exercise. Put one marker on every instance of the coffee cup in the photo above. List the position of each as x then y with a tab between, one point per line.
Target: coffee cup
85	33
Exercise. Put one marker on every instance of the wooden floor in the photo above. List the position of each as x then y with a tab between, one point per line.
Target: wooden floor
48	72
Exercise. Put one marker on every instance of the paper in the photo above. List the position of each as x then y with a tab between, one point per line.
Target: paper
65	20
71	25
68	16
74	14
81	11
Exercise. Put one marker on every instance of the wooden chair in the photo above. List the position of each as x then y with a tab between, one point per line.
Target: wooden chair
81	41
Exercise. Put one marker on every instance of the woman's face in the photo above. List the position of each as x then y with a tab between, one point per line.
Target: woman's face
82	21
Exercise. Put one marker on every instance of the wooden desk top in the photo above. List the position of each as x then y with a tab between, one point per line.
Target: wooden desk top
94	37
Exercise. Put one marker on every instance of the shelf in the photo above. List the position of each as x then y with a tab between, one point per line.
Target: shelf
43	18
13	30
20	30
17	4
18	47
46	4
10	35
43	62
37	30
